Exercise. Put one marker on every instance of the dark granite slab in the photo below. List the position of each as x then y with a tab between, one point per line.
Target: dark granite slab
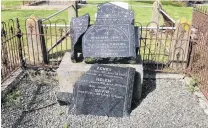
109	11
109	42
104	91
78	27
114	21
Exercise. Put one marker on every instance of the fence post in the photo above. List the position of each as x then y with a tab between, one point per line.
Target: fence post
43	42
72	11
155	13
36	41
19	35
75	7
180	46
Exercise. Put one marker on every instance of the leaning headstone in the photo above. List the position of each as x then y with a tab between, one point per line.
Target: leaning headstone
104	91
78	27
109	44
156	13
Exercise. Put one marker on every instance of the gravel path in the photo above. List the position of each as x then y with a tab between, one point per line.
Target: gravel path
166	103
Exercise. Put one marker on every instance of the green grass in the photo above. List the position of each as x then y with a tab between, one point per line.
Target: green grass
6	4
142	15
12	98
24	14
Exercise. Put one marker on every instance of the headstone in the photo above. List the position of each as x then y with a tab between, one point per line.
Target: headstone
78	27
69	73
109	42
112	38
121	4
104	91
156	13
111	11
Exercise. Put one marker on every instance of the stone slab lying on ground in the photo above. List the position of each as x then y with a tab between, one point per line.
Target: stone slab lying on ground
69	72
104	91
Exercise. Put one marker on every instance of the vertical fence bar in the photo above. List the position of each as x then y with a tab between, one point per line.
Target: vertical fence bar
76	8
42	42
19	35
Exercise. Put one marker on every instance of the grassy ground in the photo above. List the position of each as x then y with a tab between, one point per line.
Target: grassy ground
6	4
142	15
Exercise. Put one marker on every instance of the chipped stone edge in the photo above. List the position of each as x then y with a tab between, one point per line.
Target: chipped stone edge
11	82
203	102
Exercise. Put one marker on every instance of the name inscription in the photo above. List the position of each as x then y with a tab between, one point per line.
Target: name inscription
108	41
105	82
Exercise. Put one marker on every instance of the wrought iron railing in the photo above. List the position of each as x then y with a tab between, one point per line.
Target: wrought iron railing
11	50
44	42
161	48
199	57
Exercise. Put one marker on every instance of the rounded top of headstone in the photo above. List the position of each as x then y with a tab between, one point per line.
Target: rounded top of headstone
109	10
121	4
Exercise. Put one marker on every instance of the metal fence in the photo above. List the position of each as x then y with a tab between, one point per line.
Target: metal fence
164	48
199	59
46	40
11	49
47	2
43	42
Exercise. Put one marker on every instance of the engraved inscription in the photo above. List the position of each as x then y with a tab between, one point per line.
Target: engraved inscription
108	41
104	90
104	82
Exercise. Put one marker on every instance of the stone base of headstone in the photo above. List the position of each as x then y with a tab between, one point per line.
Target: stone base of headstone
69	73
114	60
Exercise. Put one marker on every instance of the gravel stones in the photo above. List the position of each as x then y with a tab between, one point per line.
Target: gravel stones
165	103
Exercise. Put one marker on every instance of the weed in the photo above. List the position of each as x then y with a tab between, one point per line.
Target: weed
193	85
61	113
66	125
13	98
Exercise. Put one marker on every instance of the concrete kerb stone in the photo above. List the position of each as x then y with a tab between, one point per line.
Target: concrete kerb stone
163	76
11	82
203	102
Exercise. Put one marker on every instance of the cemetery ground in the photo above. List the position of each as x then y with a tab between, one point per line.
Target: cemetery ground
166	102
